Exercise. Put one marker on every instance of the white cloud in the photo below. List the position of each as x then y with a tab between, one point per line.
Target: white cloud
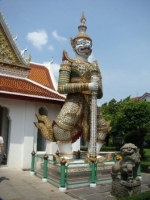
50	47
38	38
57	37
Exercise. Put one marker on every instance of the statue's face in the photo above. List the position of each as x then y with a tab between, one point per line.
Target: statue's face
128	150
83	47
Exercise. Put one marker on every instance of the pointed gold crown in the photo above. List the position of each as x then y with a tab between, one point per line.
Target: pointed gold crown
82	29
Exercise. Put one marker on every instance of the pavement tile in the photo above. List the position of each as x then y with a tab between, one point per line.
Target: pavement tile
89	190
4	184
16	199
146	179
36	198
98	196
101	188
144	188
80	192
10	194
16	184
30	192
23	188
31	179
44	185
61	196
48	191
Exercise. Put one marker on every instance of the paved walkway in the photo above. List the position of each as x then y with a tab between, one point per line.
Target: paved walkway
16	184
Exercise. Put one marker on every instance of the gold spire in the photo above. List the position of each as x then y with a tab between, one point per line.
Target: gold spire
82	20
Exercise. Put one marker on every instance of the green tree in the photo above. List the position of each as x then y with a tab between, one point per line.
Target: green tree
130	117
111	111
135	121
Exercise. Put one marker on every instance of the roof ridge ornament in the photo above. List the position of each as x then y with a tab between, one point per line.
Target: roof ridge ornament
82	29
15	38
18	58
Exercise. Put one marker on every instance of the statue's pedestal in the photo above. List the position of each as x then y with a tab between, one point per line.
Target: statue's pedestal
78	173
123	188
74	173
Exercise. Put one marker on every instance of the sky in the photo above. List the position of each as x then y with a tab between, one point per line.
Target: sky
120	32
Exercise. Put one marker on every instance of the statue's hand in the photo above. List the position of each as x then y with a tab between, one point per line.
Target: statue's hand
93	86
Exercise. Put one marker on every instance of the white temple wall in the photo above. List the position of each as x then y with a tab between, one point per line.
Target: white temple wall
16	131
28	133
4	121
23	133
147	98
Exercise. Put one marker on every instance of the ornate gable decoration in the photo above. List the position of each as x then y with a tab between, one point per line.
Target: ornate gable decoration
11	60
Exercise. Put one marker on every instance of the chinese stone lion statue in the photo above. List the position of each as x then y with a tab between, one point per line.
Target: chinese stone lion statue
124	172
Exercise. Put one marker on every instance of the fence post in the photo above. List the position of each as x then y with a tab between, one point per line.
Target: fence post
44	179
139	170
32	162
62	187
93	172
78	154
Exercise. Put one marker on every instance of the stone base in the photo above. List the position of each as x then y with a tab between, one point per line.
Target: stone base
32	173
92	184
124	189
44	180
62	189
78	172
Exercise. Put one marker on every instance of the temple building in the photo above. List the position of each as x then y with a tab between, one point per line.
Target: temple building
145	96
26	88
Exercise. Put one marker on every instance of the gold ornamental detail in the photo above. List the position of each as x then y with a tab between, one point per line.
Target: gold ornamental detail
6	52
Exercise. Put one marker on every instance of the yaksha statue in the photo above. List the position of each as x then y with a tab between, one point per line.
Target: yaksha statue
75	81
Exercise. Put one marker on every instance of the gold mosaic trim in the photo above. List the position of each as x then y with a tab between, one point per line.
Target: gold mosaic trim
66	154
63	142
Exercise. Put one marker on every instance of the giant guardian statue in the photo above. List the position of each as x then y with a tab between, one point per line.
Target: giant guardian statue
74	119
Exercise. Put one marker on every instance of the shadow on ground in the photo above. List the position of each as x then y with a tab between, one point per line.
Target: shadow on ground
3	178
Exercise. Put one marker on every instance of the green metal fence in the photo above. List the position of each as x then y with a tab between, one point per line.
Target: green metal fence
73	174
39	165
54	171
77	174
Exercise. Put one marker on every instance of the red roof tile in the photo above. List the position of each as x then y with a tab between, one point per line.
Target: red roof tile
40	74
26	87
135	98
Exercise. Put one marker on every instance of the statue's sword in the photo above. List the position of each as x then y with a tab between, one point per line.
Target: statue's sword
93	126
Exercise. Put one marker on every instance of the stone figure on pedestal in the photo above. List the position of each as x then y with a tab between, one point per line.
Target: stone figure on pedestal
126	181
75	81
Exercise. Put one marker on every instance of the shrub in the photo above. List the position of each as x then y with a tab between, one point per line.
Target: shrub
145	168
104	148
142	196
